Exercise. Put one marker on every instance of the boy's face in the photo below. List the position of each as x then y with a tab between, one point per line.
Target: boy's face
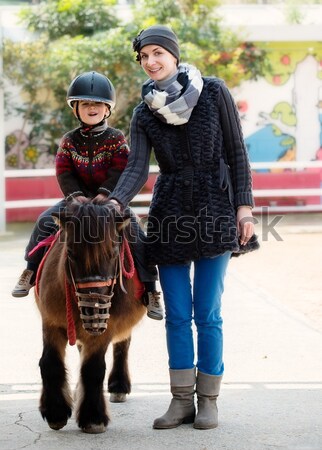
92	113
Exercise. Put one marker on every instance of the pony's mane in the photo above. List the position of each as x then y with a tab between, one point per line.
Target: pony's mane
94	227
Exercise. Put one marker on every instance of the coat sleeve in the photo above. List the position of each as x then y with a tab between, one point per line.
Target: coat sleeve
118	163
235	149
137	170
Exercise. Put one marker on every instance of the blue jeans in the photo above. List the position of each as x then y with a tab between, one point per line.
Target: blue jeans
44	227
200	302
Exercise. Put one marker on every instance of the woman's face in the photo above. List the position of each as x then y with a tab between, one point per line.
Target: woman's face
157	62
92	113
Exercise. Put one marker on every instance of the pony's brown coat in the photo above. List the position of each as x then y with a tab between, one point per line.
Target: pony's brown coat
93	244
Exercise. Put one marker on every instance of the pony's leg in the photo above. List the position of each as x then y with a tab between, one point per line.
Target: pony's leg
119	382
56	400
91	409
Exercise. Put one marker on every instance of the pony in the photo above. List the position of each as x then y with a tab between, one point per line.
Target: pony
84	297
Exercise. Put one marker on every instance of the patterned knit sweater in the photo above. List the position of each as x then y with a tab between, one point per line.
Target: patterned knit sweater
88	164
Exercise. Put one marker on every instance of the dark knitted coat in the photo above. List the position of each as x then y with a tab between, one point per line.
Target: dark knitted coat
90	164
204	176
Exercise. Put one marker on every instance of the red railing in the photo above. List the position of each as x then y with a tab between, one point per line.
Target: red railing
280	186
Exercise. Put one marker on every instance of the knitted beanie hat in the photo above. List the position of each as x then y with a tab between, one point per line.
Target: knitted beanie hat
157	35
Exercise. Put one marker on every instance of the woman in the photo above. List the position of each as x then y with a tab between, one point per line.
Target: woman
200	212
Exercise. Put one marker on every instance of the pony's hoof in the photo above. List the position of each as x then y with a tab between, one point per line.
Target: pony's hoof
57	425
117	397
95	429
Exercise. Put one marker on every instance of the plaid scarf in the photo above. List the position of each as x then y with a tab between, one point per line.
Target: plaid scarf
174	105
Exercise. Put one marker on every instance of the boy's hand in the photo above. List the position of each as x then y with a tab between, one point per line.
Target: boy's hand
81	199
100	198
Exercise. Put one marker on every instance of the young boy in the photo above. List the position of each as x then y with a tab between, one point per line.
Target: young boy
89	162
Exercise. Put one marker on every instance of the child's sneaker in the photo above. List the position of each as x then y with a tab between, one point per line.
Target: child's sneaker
25	283
153	305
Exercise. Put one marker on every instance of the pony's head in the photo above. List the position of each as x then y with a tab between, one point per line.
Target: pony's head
93	236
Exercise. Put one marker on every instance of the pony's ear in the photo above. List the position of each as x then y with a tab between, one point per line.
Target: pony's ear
122	218
59	218
123	224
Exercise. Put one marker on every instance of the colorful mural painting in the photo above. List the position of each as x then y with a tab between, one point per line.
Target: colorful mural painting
24	152
282	114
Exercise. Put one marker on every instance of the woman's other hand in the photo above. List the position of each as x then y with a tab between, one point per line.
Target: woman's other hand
116	204
245	224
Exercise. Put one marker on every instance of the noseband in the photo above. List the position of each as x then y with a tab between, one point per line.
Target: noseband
94	307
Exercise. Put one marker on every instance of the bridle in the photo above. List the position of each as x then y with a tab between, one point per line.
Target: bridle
95	307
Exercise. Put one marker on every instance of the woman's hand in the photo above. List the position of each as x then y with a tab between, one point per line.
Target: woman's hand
116	204
245	224
100	198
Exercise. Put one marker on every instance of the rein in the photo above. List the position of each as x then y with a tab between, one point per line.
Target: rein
126	249
71	331
47	242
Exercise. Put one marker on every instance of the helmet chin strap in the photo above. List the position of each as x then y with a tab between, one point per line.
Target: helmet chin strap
109	112
75	109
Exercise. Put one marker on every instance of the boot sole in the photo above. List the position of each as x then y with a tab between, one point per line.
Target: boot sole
210	427
168	427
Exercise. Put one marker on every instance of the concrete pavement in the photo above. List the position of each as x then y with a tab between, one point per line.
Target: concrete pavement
272	392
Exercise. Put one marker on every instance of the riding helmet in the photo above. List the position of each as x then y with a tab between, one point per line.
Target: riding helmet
91	86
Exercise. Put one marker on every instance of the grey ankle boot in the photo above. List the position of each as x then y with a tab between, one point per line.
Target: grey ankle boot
208	387
182	407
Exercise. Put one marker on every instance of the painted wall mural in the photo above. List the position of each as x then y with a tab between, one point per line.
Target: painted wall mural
282	114
24	152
